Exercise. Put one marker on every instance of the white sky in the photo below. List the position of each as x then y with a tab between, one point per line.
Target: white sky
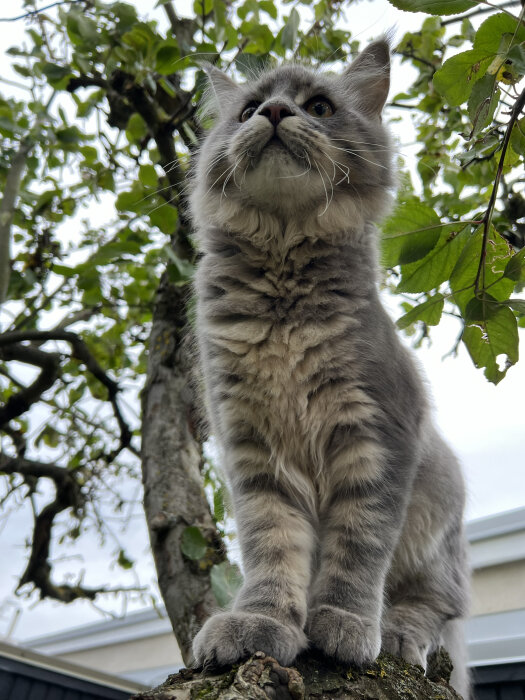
485	424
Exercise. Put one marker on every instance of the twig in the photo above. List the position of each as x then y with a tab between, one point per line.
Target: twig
32	13
487	219
480	11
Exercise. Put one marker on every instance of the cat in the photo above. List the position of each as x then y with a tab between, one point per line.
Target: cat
348	503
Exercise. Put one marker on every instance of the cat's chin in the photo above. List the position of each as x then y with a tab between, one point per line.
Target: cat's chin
282	179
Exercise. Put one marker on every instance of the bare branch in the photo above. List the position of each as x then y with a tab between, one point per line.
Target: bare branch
21	402
68	495
82	353
32	13
487	219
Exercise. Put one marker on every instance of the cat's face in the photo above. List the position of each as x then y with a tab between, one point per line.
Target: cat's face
296	139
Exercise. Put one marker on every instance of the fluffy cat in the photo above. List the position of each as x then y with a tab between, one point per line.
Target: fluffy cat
348	503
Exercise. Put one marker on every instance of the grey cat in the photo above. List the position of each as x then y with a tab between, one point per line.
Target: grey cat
348	503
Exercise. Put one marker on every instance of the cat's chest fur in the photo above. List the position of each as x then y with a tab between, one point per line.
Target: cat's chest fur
282	332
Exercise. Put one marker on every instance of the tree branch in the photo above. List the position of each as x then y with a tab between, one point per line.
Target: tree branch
519	105
479	11
82	353
32	13
7	212
21	402
68	495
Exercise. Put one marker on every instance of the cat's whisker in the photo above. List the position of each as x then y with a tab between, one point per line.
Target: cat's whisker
235	169
232	173
331	185
217	180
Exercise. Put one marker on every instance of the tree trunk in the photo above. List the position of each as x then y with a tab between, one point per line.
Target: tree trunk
314	676
174	498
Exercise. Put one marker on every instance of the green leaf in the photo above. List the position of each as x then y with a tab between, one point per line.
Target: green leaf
131	200
88	29
269	7
517	305
57	76
517	56
179	271
123	560
434	7
482	103
515	268
409	233
70	135
221	20
490	37
49	436
63	270
429	312
166	57
492	342
136	128
148	175
463	276
260	38
193	544
517	137
165	216
291	28
458	75
434	268
218	504
226	579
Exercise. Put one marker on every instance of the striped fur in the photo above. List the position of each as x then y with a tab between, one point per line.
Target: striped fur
348	504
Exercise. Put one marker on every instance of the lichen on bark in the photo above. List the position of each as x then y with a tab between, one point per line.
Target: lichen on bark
313	677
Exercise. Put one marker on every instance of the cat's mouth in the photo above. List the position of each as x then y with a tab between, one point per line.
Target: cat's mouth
276	143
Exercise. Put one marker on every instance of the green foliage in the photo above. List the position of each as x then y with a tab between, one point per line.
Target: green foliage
467	109
193	544
226	579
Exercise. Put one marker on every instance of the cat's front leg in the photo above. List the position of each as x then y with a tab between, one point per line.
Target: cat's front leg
359	531
269	613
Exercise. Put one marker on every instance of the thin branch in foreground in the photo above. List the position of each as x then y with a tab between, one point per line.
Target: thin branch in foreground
49	363
479	11
487	219
69	495
32	13
82	353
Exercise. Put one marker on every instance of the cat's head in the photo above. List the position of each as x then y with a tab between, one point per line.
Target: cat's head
297	142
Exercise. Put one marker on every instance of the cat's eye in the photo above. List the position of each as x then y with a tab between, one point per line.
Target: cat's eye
249	111
319	107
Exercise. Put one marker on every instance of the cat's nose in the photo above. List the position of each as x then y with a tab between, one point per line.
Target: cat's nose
275	113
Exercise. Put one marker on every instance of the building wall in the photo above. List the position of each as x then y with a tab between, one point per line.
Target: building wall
498	588
150	652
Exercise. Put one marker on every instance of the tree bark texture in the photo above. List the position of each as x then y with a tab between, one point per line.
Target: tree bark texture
174	498
312	677
7	212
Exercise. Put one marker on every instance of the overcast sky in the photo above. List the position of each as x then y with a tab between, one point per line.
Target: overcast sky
485	424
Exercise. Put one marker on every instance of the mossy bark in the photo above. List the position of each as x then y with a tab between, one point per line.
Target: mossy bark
313	676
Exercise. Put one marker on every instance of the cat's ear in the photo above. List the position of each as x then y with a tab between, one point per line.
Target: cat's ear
368	77
222	90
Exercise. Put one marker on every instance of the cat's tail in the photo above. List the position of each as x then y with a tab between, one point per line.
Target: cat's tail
453	639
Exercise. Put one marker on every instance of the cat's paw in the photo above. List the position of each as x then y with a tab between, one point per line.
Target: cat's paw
231	636
345	636
402	642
